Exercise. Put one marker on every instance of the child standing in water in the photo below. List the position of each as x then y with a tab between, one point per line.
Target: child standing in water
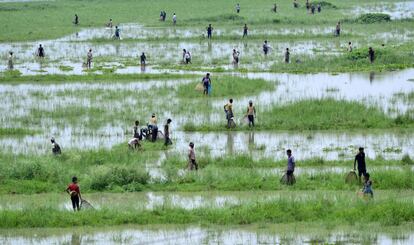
367	190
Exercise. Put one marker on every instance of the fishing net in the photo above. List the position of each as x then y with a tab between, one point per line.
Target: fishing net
284	180
86	205
199	87
351	177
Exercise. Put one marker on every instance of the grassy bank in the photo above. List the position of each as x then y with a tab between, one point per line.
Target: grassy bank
338	212
13	77
387	58
316	114
122	170
26	21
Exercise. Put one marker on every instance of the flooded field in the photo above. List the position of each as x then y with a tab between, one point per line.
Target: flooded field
397	10
383	90
188	201
326	98
206	235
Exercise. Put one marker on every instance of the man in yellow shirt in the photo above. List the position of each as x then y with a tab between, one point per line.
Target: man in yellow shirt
228	109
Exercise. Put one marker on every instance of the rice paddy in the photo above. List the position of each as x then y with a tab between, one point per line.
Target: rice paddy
328	100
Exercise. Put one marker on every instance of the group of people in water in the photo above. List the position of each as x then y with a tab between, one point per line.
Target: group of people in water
73	188
187	56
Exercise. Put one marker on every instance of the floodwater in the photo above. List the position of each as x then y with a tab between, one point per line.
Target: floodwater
397	10
187	200
316	144
22	102
266	234
70	51
73	54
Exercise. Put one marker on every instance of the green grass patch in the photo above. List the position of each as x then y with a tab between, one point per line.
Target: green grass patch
316	114
7	77
373	18
226	87
17	132
338	212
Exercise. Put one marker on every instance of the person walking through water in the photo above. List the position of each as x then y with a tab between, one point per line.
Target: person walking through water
371	54
274	9
245	29
167	133
109	24
338	29
143	59
367	189
89	59
350	47
40	51
136	131
228	109
153	126
117	33
236	57
265	47
206	84
251	113
55	147
209	31
75	195
192	164
290	167
10	61
174	19
187	57
360	159
76	20
287	56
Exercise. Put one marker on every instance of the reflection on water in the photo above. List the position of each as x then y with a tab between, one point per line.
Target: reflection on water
269	234
73	54
326	145
189	200
376	89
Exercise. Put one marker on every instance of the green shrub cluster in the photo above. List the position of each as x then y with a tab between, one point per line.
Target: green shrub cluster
373	18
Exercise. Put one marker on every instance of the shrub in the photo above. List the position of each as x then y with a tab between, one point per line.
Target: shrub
373	18
127	177
324	4
407	160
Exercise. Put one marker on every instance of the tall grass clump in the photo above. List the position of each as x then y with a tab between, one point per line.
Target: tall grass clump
370	18
324	4
109	177
406	159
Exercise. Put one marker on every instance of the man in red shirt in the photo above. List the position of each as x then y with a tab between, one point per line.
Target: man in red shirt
74	192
